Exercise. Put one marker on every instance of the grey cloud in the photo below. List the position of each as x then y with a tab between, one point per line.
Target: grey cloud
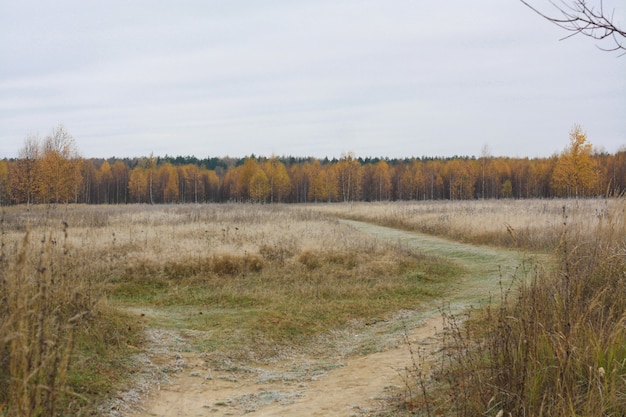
396	78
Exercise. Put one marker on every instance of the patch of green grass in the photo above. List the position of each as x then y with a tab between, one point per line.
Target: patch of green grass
101	362
288	301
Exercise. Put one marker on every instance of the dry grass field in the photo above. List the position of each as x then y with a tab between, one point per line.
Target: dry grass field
80	284
522	224
247	281
555	346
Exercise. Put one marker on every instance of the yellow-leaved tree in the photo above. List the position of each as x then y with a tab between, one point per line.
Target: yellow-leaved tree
105	178
323	182
259	186
278	178
348	171
4	182
168	179
575	173
24	173
245	175
138	185
59	168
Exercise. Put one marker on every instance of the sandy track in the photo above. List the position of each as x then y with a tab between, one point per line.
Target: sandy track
332	386
354	387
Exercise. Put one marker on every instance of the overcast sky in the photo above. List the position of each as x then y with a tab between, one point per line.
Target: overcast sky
392	78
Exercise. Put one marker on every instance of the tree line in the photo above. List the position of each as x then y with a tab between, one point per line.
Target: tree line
50	171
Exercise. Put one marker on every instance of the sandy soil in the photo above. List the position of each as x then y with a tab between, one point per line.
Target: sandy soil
181	383
299	387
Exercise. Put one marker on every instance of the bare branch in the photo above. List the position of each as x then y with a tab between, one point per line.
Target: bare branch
578	17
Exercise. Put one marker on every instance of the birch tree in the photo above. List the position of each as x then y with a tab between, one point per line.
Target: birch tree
138	185
348	172
259	186
60	177
24	173
575	173
278	178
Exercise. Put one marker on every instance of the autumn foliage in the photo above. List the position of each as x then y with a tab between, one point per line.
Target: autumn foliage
46	171
50	171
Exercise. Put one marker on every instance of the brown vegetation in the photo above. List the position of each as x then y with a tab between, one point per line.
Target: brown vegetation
52	325
555	345
253	281
79	283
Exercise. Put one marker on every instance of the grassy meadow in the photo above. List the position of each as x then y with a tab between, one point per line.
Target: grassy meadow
555	345
253	282
80	284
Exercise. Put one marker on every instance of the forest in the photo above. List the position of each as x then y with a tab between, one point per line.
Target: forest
51	171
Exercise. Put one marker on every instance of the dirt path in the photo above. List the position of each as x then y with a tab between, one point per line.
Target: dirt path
188	384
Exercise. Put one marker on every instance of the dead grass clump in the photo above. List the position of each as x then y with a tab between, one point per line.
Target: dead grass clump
556	347
145	276
228	264
344	258
277	252
187	268
310	259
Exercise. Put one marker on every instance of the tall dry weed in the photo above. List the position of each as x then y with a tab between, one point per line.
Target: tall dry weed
556	346
42	301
